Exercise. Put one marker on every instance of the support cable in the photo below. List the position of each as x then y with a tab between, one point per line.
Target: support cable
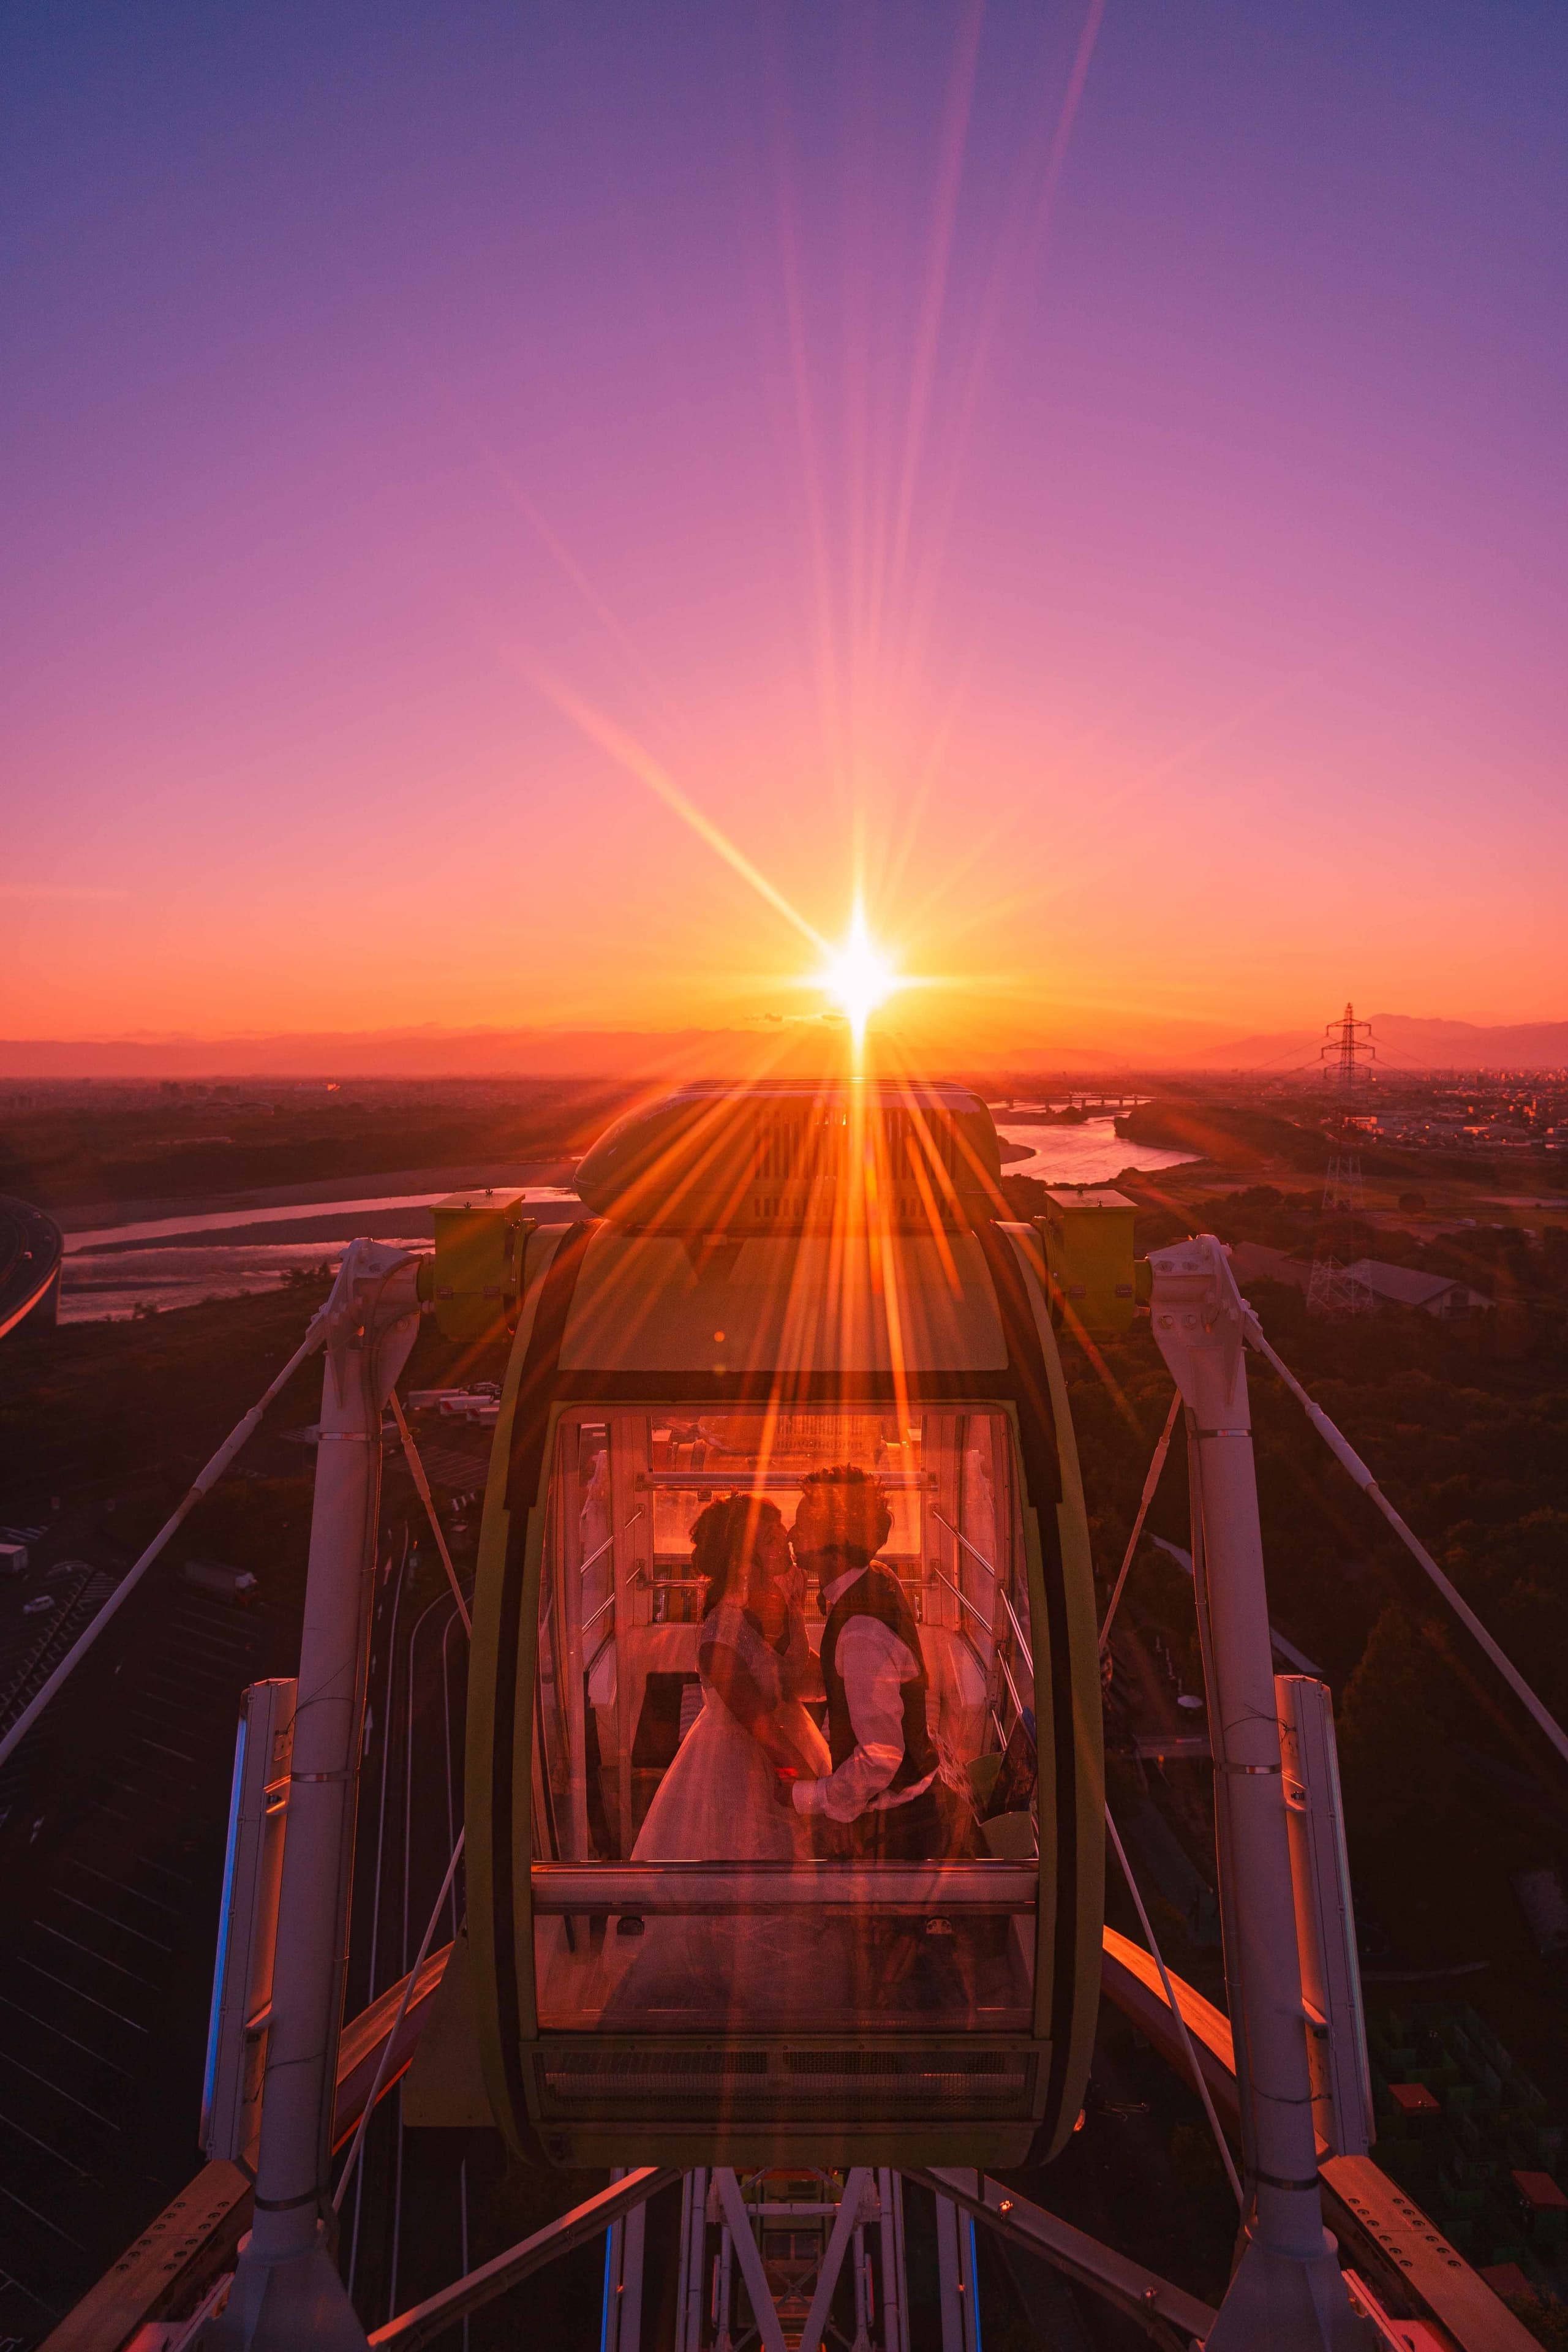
1345	1452
206	1479
1181	2023
422	1484
1156	1465
430	2320
411	1980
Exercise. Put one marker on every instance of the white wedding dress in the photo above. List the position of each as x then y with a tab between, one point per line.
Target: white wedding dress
716	1803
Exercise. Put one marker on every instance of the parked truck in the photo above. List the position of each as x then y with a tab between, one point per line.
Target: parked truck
214	1576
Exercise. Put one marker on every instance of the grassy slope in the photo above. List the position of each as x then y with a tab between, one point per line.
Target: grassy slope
61	1156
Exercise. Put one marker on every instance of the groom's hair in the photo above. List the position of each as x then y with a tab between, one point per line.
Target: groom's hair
845	1511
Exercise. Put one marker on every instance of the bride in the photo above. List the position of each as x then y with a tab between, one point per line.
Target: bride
715	1802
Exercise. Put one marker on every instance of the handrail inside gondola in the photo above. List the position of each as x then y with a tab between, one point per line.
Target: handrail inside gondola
645	1890
745	1481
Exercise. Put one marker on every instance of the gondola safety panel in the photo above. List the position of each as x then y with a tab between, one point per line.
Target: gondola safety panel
475	1277
784	1786
1088	1233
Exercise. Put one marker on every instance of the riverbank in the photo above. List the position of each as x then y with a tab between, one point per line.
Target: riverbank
114	1273
397	1181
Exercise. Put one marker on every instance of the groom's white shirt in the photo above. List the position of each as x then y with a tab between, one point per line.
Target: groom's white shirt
874	1663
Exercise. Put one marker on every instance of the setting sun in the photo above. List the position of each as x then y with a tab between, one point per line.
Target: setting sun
859	976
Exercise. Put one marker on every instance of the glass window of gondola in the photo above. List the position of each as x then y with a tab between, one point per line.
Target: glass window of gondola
786	1721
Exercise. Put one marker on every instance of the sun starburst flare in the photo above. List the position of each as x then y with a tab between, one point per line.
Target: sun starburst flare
859	976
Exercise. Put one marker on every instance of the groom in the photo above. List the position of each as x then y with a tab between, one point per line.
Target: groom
884	1787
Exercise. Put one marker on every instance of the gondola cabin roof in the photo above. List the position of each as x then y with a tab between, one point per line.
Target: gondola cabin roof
804	1303
782	1157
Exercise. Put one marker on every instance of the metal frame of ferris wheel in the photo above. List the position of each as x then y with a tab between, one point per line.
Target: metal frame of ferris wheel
1293	2054
1287	2291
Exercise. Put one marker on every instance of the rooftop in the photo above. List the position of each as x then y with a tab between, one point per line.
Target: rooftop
1403	1285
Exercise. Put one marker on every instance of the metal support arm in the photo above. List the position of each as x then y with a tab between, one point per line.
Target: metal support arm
286	2291
429	2320
1287	2294
1174	2319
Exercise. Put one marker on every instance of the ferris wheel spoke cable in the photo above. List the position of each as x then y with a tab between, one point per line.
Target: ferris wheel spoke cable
416	1471
1221	2143
1157	1464
1345	1453
422	1486
388	2046
204	1481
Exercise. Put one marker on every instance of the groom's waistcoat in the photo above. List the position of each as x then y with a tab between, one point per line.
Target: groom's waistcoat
878	1593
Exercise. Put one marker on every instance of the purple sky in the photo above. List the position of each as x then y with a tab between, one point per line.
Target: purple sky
1094	484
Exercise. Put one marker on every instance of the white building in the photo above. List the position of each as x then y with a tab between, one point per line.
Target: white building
1443	1296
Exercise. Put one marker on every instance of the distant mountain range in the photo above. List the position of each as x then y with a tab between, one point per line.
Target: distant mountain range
431	1053
794	1049
1407	1042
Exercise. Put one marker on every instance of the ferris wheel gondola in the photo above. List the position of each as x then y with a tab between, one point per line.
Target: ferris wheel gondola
779	1287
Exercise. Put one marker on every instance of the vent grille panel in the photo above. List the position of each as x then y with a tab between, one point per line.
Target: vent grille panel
683	2084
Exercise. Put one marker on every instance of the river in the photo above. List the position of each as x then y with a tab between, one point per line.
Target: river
113	1272
1091	1154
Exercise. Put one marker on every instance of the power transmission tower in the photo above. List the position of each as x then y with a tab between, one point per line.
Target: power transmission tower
1333	1288
1347	1042
1344	1195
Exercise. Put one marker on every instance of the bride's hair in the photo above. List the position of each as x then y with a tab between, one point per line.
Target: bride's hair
723	1539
